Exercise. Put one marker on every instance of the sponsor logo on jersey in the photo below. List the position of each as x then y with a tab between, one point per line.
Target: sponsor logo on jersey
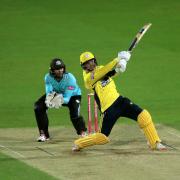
71	88
105	82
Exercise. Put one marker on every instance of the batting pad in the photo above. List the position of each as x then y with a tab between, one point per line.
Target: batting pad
146	124
92	139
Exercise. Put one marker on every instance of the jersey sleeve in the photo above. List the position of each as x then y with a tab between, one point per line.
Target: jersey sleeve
91	78
70	87
48	86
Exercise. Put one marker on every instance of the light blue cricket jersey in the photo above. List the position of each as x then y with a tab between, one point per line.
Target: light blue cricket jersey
67	86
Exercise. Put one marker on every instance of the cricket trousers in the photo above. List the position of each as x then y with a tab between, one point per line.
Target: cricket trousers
122	107
40	110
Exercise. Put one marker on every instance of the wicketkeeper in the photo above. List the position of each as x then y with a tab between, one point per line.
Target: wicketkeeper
61	90
111	103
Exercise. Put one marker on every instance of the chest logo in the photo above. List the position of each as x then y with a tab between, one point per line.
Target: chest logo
105	82
70	87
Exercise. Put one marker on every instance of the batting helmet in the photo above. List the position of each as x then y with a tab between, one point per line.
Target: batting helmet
56	64
86	56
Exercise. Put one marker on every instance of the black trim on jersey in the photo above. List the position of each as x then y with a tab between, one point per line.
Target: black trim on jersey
105	78
95	83
111	73
97	100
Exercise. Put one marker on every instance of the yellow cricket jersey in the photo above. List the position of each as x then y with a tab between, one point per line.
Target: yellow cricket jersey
102	85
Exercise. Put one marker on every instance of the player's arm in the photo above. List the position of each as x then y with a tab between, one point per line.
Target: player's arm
48	85
70	88
91	78
111	73
53	100
123	57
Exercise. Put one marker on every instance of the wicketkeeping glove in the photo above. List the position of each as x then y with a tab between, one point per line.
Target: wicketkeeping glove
54	100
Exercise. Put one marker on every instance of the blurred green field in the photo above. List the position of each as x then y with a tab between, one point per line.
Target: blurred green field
13	169
34	32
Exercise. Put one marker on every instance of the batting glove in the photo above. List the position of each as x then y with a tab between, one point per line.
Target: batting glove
124	55
121	66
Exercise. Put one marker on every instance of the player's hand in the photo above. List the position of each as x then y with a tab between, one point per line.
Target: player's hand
124	55
121	66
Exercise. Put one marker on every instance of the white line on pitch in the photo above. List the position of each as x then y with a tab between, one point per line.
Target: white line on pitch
41	149
12	151
10	141
173	134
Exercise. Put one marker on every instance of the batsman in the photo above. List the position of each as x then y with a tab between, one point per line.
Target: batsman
111	103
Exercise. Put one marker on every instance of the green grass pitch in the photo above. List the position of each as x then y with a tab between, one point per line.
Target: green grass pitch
13	169
34	32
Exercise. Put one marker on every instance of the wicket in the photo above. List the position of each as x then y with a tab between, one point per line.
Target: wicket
96	129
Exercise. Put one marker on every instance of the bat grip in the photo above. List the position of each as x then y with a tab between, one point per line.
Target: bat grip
132	45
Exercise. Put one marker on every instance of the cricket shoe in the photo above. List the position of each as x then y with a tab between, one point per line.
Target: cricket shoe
83	134
42	138
75	148
161	147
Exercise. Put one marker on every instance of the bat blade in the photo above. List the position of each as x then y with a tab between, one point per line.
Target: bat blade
138	36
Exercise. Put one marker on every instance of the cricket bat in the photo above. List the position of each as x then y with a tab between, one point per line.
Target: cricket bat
138	36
